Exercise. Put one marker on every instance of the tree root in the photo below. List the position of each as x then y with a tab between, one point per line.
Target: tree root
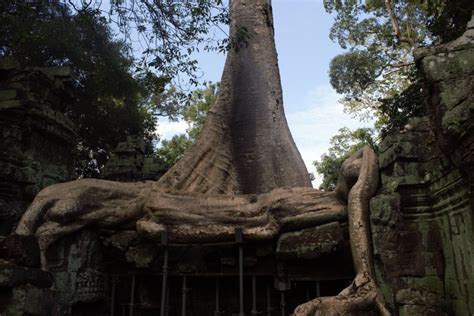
189	217
362	297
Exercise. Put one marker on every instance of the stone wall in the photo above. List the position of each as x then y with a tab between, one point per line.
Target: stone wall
37	139
448	71
129	163
422	218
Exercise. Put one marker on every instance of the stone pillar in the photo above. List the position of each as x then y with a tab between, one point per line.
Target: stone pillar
422	219
37	139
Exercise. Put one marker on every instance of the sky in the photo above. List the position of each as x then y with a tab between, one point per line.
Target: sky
304	52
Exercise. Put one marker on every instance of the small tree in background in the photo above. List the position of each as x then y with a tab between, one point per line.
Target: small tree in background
343	145
377	75
195	114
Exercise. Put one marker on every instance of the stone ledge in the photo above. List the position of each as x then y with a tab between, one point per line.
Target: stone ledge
311	243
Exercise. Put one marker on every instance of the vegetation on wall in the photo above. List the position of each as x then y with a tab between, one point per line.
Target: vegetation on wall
377	75
380	36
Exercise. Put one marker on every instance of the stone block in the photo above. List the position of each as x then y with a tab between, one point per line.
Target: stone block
8	94
385	209
445	65
27	300
310	243
418	296
9	104
420	310
395	265
84	286
8	63
38	136
122	239
405	150
12	276
23	250
142	255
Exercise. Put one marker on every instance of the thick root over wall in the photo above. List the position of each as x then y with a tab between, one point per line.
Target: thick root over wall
236	176
188	217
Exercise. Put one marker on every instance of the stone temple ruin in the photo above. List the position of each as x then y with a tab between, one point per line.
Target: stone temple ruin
37	138
129	163
395	238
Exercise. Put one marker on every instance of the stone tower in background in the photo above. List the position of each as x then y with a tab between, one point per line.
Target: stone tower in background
37	143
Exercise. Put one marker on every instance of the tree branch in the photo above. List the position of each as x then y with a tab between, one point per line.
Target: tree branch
396	26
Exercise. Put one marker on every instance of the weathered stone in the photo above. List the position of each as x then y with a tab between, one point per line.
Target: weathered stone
152	169
448	87
78	270
413	232
12	276
122	239
430	217
27	300
142	255
421	310
8	63
417	296
310	243
385	209
128	162
449	81
8	94
37	139
23	250
9	104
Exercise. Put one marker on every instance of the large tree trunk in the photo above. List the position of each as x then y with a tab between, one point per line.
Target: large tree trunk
245	146
63	209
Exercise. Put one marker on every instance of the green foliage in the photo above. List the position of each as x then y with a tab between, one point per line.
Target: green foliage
164	33
328	166
363	72
409	103
108	100
169	31
238	40
115	94
199	104
448	19
172	150
343	145
195	114
378	75
381	36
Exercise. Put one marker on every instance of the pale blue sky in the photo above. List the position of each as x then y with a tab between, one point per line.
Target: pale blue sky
303	45
304	52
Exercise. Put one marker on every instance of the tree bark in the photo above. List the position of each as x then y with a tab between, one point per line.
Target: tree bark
188	217
245	146
63	209
363	296
244	171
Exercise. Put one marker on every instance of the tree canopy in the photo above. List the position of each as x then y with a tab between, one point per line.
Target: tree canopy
377	75
195	115
165	34
380	36
115	93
